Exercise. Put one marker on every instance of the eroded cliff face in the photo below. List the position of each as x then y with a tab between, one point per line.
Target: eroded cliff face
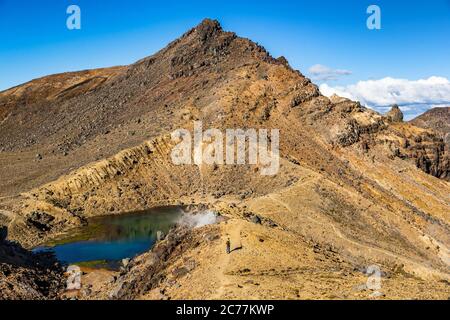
436	119
354	188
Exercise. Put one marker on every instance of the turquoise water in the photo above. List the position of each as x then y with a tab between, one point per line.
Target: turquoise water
113	238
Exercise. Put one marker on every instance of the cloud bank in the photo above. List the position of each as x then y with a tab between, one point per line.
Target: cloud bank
320	72
413	96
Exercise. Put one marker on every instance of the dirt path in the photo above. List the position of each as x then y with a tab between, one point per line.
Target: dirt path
224	261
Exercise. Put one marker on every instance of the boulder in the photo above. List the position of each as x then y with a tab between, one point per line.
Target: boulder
255	219
125	262
160	236
180	272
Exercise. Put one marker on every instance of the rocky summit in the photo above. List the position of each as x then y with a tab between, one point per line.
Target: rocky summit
395	114
355	189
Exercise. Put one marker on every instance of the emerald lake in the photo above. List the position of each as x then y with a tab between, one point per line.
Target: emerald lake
108	239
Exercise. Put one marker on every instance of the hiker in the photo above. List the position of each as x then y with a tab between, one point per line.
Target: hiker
3	234
228	246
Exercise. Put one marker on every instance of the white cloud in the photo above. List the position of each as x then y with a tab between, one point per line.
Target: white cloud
323	73
414	96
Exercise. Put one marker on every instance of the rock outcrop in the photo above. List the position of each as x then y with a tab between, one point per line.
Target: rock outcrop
27	276
395	114
436	119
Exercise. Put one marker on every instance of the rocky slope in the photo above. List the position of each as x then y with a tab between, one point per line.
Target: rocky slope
27	276
354	189
437	119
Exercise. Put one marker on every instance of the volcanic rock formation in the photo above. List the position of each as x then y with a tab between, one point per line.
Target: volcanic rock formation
395	114
436	119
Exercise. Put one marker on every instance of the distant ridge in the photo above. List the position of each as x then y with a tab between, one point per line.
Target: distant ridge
437	119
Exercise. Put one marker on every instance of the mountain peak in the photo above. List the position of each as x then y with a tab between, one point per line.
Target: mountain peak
208	28
212	23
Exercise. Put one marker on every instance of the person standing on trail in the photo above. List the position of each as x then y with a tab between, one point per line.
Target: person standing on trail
228	246
3	234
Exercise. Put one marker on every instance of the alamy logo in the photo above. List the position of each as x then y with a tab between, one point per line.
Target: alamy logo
374	280
73	22
73	278
234	146
374	20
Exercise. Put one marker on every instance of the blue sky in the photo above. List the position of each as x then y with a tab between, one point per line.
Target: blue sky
413	43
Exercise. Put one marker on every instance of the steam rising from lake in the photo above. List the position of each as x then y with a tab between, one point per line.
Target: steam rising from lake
199	219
